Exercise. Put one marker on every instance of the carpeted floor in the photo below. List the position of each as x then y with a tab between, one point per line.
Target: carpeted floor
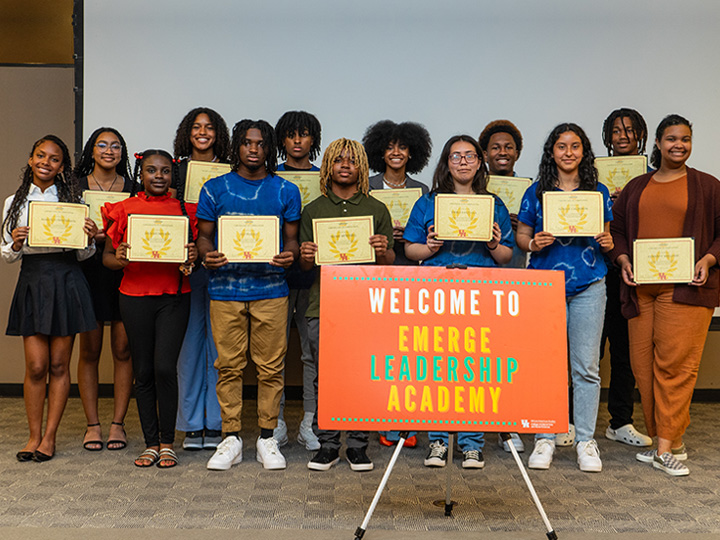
79	492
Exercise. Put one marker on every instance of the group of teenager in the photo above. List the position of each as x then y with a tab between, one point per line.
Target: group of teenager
184	332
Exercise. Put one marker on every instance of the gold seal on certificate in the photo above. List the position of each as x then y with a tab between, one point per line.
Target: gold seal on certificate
343	240
249	239
664	260
96	199
617	171
399	202
157	238
573	213
510	189
199	172
57	225
308	182
464	217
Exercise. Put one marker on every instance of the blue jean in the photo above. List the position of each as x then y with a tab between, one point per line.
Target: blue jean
466	440
585	316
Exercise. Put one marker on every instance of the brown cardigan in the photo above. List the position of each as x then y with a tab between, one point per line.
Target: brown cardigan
702	221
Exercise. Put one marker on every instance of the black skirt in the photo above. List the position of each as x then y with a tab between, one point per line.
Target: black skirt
51	297
104	284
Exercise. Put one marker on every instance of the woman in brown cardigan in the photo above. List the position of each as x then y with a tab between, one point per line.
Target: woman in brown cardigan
668	323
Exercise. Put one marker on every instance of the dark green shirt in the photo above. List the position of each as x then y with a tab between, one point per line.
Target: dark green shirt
333	206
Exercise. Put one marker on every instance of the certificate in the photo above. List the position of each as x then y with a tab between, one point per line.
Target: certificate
573	213
510	189
96	199
308	182
343	240
57	225
464	217
617	171
199	172
249	239
664	260
157	238
399	202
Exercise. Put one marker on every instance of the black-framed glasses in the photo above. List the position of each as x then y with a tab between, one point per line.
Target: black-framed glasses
456	158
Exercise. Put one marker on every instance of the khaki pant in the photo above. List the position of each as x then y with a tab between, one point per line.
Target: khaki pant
257	327
666	344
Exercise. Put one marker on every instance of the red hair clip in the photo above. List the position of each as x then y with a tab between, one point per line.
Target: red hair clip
176	160
138	155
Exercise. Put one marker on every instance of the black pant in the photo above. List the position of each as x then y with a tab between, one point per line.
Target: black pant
155	327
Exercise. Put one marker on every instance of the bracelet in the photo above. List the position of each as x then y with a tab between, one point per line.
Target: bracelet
530	243
493	249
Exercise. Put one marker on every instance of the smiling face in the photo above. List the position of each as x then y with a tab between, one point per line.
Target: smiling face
202	133
156	175
344	170
675	145
46	162
461	171
396	156
568	152
107	151
501	154
624	140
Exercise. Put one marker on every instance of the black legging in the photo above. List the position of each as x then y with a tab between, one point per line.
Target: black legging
155	327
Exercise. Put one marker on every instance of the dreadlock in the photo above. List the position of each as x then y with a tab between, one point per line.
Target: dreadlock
637	122
668	121
68	189
334	151
302	123
269	143
182	147
382	134
86	163
442	179
500	126
548	173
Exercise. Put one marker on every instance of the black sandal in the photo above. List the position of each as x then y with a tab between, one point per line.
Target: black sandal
120	443
88	445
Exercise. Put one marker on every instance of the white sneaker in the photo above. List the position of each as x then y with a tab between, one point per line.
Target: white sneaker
589	456
280	433
566	439
228	453
269	454
517	441
542	454
306	435
629	435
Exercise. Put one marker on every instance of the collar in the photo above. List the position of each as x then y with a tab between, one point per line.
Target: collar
355	199
34	188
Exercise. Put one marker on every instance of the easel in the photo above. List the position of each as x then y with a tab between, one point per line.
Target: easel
360	531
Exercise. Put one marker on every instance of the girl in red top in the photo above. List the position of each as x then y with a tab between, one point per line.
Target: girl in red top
154	304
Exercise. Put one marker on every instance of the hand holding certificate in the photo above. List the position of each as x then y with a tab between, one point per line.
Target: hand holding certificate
664	260
573	213
343	240
249	239
58	225
157	238
464	217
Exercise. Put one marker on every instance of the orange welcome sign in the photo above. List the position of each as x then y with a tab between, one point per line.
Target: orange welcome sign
436	349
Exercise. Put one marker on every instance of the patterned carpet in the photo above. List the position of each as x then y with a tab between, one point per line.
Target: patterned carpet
80	489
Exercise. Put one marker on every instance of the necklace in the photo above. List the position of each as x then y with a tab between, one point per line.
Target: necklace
98	183
394	184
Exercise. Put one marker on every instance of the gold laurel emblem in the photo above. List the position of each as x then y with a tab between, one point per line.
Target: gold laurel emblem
463	222
661	267
507	196
248	243
156	244
304	193
400	212
343	246
613	175
57	231
579	222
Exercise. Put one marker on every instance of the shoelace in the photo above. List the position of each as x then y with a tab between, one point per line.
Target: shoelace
472	454
591	449
437	450
270	445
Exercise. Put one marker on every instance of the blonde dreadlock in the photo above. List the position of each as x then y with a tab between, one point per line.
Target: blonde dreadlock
332	152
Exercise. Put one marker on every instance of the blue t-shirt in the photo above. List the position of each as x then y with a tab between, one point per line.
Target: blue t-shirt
579	257
233	195
455	251
281	167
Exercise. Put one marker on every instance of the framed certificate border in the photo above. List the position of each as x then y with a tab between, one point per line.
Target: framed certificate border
157	238
351	248
663	260
46	230
259	244
399	202
308	182
199	172
464	217
510	189
616	171
563	214
96	199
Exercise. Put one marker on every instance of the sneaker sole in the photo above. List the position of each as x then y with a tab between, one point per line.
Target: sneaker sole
361	467
593	468
272	466
313	466
671	472
224	467
473	464
434	462
539	466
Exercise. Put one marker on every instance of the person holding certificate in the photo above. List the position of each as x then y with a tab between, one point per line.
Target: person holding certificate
460	170
202	136
566	167
52	299
668	323
104	168
154	295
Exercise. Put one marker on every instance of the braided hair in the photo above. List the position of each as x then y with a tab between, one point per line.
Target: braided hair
86	163
182	147
334	151
442	179
382	134
269	143
637	122
302	123
668	121
68	189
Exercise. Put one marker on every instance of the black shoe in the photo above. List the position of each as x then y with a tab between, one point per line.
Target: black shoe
358	459
22	457
39	457
324	459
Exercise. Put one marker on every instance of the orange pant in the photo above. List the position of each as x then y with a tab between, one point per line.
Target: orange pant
666	344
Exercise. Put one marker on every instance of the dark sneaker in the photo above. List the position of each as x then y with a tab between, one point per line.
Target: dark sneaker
473	459
358	459
437	457
324	459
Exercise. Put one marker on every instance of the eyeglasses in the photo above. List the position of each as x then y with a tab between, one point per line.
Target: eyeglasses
115	147
456	158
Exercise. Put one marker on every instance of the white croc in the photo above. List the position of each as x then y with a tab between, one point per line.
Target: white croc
627	434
